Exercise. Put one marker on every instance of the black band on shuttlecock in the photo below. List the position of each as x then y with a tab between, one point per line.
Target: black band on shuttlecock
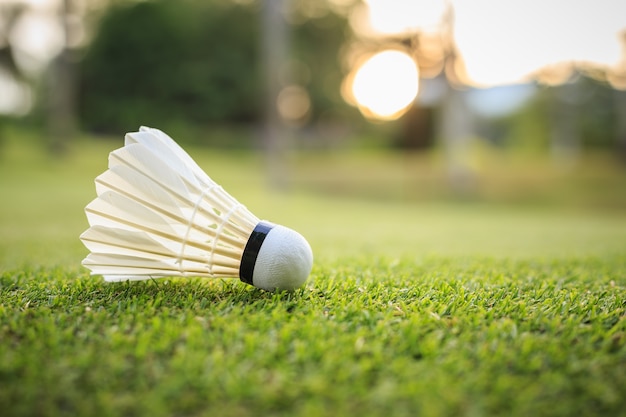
250	253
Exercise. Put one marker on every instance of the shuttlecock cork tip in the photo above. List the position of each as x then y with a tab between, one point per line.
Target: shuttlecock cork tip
276	258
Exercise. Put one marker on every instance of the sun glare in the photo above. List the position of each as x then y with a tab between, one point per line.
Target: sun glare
510	42
385	85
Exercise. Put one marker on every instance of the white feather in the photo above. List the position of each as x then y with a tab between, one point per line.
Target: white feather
144	161
179	152
124	180
168	154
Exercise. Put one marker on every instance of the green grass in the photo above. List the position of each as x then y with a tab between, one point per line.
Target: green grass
417	305
366	338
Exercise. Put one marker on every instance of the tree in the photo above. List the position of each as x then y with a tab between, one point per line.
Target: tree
61	85
199	63
159	61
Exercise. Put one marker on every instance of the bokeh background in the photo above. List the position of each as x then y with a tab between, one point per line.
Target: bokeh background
375	127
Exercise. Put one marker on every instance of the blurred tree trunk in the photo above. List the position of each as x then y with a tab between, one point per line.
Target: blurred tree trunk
620	109
456	130
565	132
274	50
418	130
456	125
61	105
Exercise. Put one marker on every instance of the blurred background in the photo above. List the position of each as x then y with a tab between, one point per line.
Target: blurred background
382	108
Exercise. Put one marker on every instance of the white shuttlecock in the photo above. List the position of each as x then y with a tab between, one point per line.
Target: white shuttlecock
158	214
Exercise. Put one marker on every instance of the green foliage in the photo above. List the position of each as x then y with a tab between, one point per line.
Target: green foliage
191	62
586	104
162	62
597	113
316	45
527	129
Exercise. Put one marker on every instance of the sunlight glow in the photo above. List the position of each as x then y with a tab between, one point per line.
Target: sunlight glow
38	37
16	97
385	85
294	104
511	41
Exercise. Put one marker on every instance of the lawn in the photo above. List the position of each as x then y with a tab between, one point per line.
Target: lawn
419	303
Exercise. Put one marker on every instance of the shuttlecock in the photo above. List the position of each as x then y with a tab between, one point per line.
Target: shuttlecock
158	214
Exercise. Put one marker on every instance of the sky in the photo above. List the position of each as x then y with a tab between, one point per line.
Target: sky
505	42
